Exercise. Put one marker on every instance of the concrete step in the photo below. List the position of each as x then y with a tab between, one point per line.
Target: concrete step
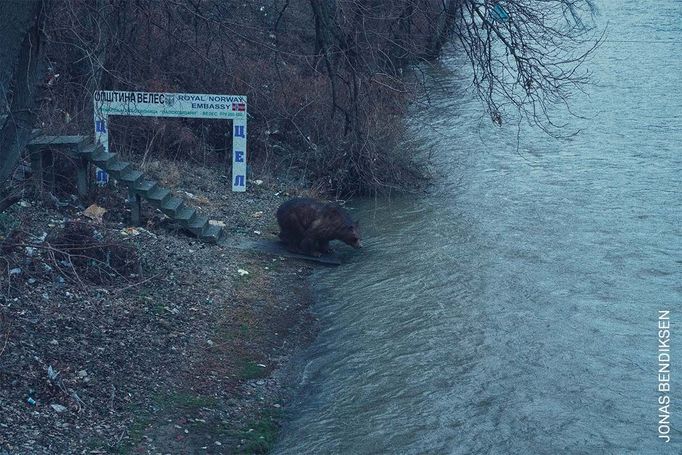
211	233
158	195
57	142
197	225
130	177
143	187
118	168
186	215
103	159
89	150
171	206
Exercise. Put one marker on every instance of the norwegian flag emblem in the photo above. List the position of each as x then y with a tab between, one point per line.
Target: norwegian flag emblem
239	107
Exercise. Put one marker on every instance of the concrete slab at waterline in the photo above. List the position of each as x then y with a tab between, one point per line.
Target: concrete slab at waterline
277	248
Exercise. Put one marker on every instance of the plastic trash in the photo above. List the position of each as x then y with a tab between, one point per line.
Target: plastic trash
58	408
95	212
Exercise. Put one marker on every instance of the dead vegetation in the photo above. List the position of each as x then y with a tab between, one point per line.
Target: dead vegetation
117	339
324	84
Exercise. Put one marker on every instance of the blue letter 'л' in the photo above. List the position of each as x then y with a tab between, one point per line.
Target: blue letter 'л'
102	176
239	180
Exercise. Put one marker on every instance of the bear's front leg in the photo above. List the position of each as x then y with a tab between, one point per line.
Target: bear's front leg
309	247
325	248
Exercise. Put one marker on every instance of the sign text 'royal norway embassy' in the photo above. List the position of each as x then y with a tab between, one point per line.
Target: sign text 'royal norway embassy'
156	104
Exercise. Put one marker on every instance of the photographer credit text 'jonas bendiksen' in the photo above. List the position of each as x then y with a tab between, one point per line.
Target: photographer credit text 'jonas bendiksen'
664	375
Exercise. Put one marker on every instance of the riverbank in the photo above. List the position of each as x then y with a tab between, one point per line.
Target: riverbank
178	347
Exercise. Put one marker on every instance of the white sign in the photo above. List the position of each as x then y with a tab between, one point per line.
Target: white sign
192	105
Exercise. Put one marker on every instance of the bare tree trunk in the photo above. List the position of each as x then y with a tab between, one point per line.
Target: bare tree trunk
9	201
15	21
326	33
444	25
95	61
21	49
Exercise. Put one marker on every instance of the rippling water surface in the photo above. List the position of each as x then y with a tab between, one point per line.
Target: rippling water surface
514	310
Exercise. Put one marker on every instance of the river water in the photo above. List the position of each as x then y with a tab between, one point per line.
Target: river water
514	310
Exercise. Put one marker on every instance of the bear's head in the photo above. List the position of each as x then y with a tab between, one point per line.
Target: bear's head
351	235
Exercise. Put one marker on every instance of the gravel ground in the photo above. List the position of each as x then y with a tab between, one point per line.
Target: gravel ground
172	348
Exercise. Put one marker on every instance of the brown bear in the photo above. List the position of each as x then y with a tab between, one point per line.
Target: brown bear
307	226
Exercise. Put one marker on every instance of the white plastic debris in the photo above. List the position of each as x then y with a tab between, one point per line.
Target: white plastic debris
52	374
132	231
58	408
95	212
242	272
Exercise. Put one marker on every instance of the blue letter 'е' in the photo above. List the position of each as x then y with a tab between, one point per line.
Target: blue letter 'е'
238	156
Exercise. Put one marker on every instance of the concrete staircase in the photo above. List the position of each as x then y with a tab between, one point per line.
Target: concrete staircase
139	187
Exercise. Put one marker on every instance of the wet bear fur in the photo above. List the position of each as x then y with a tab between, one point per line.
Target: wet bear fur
307	226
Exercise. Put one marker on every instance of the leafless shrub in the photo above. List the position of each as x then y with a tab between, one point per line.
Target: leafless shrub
4	332
526	56
83	254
